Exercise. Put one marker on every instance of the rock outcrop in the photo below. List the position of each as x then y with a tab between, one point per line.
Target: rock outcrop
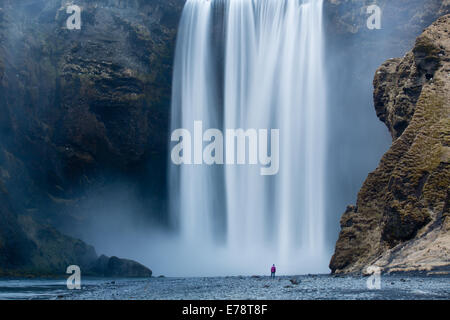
114	267
401	221
31	249
353	54
28	248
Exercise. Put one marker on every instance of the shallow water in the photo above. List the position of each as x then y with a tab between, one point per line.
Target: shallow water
41	289
233	288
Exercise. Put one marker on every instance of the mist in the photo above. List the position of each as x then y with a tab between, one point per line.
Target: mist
85	126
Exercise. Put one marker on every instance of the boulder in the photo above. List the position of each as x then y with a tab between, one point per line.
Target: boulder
115	267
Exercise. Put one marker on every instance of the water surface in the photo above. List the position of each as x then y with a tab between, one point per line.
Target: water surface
322	287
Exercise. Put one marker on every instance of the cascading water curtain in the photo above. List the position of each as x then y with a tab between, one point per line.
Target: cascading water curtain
253	64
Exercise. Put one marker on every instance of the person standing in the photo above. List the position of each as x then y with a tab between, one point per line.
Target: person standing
273	271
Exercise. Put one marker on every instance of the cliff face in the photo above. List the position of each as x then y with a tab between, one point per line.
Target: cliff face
77	105
353	54
77	109
401	221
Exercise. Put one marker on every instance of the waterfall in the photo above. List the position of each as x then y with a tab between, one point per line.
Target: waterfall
253	64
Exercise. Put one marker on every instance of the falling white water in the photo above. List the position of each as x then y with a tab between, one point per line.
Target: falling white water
253	64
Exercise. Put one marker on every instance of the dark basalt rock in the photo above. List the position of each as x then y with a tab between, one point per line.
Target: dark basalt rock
115	267
28	248
77	106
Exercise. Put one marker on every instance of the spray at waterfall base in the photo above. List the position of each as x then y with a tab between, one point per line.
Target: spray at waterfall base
244	148
239	200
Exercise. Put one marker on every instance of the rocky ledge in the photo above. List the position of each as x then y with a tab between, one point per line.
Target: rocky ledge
401	221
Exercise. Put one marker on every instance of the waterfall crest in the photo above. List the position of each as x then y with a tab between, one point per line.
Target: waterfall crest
253	64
